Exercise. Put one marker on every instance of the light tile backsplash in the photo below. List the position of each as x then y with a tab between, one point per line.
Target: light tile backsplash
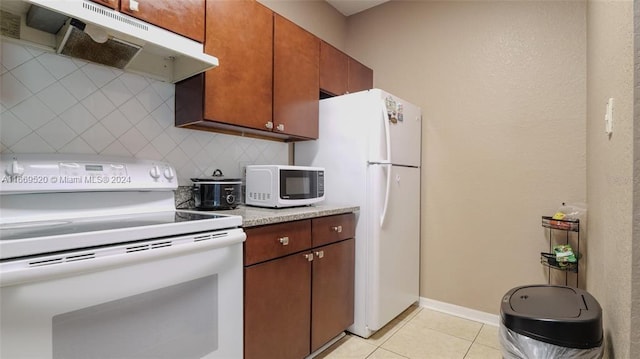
55	104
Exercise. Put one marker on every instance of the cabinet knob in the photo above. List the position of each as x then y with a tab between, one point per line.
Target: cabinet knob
133	5
280	127
337	229
269	125
319	254
309	256
284	241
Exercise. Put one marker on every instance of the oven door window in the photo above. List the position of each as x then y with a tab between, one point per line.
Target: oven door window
296	184
179	321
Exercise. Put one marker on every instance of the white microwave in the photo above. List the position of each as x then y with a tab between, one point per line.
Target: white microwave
277	186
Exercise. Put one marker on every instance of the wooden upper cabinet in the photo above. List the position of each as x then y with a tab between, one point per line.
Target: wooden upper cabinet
340	73
333	70
184	17
114	4
239	91
267	83
295	79
360	76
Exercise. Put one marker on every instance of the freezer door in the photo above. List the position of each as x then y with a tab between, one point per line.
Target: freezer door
404	126
393	249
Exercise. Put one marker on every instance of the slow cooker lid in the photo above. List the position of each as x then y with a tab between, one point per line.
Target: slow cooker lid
214	180
217	178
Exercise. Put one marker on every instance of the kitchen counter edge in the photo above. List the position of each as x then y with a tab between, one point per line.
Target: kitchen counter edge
256	216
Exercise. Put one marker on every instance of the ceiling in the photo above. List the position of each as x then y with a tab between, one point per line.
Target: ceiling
350	7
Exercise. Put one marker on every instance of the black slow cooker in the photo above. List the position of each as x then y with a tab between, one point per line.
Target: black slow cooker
216	192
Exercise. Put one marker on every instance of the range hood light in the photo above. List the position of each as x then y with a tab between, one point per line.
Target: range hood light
97	34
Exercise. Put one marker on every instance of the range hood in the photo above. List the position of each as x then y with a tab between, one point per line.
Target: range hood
84	29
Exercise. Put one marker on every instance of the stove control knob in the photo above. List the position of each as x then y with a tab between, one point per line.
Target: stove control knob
16	169
155	172
231	199
169	174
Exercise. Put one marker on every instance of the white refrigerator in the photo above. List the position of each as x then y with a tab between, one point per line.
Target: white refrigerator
369	144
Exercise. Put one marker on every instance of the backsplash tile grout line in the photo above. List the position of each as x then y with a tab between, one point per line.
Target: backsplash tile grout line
52	103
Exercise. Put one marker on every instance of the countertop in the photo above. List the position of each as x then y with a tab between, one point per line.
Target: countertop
255	216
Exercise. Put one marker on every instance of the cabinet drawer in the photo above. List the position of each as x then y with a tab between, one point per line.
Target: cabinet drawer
333	228
277	240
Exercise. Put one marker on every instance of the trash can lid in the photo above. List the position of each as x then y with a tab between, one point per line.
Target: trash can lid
559	315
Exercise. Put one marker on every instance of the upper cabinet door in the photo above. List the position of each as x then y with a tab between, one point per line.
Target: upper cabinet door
114	4
296	79
239	91
333	70
360	76
184	17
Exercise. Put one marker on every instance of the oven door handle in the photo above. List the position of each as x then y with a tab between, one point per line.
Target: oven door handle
66	264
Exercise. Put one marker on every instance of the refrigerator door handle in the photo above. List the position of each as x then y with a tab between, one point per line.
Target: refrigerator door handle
386	195
387	162
385	119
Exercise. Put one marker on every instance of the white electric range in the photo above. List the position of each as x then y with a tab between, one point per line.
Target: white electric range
95	261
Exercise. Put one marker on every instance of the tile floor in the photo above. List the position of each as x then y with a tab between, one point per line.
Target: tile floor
421	333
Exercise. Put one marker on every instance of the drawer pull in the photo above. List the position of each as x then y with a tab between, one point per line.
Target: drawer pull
337	229
309	256
284	241
319	254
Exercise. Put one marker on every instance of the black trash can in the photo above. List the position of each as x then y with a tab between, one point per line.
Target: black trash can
549	321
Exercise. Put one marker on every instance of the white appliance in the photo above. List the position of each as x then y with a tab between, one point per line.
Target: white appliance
115	39
369	144
278	186
96	262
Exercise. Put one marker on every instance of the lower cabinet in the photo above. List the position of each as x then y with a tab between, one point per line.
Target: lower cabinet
294	303
277	322
332	291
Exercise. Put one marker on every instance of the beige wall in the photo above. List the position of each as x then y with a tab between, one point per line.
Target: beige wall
635	274
315	16
507	89
610	168
502	86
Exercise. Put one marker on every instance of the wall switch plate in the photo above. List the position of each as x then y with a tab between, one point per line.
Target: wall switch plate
608	118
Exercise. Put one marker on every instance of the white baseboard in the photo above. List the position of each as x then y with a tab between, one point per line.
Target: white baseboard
458	311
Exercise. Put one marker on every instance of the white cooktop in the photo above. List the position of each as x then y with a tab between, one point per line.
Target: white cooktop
37	237
42	209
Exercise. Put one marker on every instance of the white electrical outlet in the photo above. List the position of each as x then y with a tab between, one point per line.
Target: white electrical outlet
608	118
